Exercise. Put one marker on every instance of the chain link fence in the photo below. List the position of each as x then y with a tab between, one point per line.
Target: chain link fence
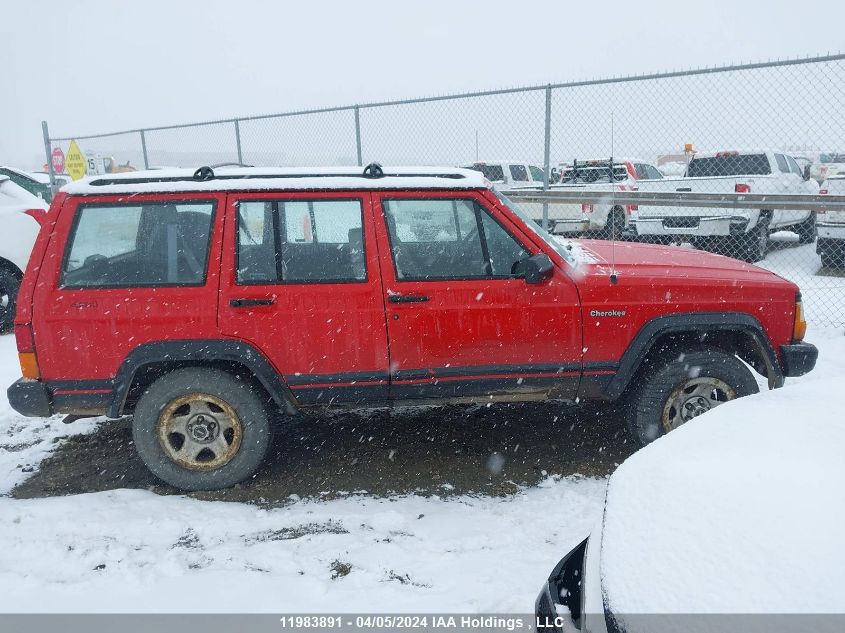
770	129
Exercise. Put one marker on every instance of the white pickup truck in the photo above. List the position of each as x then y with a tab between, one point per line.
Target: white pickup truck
831	226
741	233
608	219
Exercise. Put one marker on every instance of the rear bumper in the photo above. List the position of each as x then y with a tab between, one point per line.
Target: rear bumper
38	399
30	398
831	230
722	225
798	358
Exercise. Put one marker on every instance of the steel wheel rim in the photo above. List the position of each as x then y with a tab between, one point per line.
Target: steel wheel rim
694	397
199	431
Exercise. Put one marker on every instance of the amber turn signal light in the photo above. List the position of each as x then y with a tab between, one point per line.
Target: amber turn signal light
29	365
800	327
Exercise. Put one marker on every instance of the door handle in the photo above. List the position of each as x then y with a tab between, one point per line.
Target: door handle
249	303
407	298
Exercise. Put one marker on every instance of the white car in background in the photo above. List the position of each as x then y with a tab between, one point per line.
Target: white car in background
608	219
507	174
20	216
726	524
831	226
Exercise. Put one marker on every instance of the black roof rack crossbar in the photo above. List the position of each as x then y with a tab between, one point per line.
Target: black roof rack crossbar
204	174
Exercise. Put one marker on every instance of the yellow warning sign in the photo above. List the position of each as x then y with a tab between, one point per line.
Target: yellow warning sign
75	161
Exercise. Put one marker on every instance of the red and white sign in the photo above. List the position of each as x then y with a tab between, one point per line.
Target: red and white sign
58	158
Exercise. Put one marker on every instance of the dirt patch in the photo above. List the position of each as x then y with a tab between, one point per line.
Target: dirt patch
445	451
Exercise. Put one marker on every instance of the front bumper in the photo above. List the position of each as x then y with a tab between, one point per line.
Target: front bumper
562	589
798	358
30	398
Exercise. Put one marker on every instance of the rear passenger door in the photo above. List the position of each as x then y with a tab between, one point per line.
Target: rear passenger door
459	323
301	283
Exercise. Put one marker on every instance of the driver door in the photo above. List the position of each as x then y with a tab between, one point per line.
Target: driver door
460	325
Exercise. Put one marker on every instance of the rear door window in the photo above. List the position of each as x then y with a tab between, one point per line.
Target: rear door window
493	173
137	245
300	241
783	166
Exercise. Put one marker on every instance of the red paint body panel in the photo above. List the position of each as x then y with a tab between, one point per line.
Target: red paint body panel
471	330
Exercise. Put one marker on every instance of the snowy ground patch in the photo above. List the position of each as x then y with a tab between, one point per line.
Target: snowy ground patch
132	550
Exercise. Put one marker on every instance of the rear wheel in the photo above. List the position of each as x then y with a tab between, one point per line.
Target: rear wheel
9	286
806	230
201	429
753	246
674	392
615	224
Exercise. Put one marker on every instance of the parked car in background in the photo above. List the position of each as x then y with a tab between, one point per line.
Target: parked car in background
506	174
707	530
29	182
19	223
831	226
740	233
214	305
609	220
44	178
830	164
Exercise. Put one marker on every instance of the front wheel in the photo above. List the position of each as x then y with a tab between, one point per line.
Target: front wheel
201	429
675	392
806	230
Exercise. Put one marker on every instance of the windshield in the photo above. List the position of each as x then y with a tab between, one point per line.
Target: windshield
832	158
558	246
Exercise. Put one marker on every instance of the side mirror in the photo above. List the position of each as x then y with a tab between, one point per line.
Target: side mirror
534	270
806	172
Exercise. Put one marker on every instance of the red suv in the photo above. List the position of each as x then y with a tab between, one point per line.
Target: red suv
211	306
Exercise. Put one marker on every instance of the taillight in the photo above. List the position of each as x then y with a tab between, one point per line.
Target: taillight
823	192
26	352
631	172
742	188
799	329
24	338
39	215
586	208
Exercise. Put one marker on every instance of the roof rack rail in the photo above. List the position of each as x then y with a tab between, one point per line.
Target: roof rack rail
206	173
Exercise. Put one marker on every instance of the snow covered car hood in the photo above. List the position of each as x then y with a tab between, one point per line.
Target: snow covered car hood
665	261
739	511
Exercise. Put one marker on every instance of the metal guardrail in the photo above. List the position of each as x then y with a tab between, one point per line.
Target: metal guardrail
788	202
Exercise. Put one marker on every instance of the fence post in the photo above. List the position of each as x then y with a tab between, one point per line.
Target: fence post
48	153
547	152
238	141
358	135
144	149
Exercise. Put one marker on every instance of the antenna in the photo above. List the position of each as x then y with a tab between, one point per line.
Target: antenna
613	276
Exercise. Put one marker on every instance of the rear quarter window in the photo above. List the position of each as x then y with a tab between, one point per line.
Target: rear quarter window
729	165
126	245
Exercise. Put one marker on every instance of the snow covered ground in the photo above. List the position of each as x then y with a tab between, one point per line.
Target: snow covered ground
132	550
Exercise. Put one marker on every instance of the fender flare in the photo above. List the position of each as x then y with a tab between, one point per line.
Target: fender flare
694	322
202	350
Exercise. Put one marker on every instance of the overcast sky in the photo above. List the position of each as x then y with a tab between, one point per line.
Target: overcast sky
97	66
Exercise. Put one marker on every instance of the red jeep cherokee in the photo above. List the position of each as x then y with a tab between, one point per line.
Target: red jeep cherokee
205	303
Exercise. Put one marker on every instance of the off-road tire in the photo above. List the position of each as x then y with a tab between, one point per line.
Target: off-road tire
806	230
9	286
646	406
241	396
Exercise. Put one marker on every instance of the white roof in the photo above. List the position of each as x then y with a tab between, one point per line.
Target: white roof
270	178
